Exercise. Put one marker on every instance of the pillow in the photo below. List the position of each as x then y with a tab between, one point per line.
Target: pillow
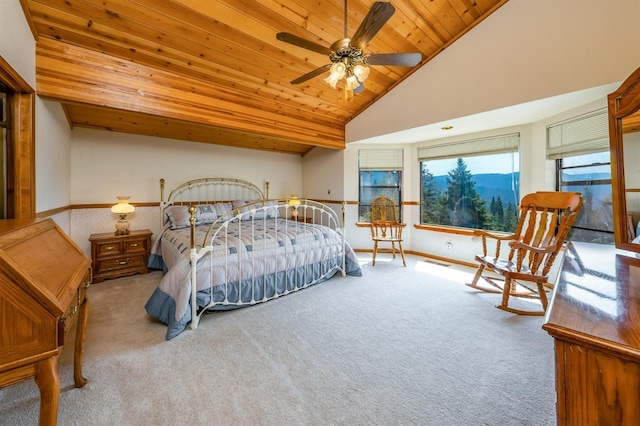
222	208
206	213
240	203
178	216
272	212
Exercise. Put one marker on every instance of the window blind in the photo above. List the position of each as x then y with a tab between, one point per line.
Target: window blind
482	146
380	159
580	135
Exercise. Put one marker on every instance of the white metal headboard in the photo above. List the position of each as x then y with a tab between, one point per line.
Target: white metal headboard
211	189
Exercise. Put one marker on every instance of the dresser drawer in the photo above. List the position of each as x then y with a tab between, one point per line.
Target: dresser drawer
108	248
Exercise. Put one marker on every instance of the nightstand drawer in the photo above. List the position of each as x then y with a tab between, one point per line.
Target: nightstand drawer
108	248
135	246
120	262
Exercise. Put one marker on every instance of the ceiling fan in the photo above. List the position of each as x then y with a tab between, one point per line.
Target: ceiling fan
347	56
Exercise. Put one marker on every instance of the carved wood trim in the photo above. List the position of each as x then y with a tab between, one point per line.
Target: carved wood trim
21	191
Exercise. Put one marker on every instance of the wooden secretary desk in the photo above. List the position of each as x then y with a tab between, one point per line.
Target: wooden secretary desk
43	280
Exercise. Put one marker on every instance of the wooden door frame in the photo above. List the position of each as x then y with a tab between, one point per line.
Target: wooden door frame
21	174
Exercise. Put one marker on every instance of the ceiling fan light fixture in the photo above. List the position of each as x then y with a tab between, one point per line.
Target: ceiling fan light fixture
336	73
351	83
361	72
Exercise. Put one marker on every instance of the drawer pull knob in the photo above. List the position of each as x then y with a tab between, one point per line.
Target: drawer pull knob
134	244
108	248
122	262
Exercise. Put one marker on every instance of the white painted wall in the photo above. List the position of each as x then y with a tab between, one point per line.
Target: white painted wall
526	50
53	160
323	176
107	164
17	45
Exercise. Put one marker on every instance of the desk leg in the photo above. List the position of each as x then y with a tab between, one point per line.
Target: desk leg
48	381
78	353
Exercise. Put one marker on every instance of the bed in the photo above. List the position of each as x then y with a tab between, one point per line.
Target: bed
224	245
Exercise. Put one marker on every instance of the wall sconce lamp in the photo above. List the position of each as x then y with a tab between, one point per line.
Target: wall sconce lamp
122	209
294	202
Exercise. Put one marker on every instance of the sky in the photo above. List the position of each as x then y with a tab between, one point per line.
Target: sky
497	163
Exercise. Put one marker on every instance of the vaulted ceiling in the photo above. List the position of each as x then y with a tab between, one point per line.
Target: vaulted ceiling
213	71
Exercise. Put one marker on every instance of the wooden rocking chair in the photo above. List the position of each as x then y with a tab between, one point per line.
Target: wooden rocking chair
545	219
385	227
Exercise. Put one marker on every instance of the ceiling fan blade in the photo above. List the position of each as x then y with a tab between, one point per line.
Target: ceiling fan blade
300	42
378	15
359	88
398	59
311	74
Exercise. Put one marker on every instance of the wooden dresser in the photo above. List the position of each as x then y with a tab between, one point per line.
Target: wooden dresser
43	280
594	317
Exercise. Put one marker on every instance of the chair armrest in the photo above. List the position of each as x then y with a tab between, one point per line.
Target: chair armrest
487	234
517	245
498	238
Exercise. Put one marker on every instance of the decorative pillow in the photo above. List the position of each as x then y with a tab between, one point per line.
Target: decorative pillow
222	208
178	216
243	209
206	213
272	212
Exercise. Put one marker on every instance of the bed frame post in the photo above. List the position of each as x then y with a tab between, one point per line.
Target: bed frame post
161	190
192	222
193	255
344	238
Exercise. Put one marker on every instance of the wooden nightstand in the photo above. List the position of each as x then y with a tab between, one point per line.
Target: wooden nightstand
115	256
303	219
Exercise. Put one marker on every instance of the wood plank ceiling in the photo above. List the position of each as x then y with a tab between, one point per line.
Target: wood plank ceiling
213	71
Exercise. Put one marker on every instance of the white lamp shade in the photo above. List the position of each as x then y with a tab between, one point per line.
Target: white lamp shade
123	206
294	201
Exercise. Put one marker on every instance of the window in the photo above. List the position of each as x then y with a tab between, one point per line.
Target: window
580	147
471	184
380	174
589	174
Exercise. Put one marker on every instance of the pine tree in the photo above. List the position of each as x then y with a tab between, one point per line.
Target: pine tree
430	211
463	201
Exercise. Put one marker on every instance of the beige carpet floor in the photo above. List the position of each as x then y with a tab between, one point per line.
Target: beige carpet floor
397	346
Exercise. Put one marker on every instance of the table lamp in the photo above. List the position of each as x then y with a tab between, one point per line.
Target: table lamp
294	202
122	209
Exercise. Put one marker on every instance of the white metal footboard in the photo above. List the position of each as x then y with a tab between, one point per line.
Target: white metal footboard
264	250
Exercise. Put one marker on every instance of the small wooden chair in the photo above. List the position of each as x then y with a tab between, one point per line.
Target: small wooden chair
385	227
544	223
